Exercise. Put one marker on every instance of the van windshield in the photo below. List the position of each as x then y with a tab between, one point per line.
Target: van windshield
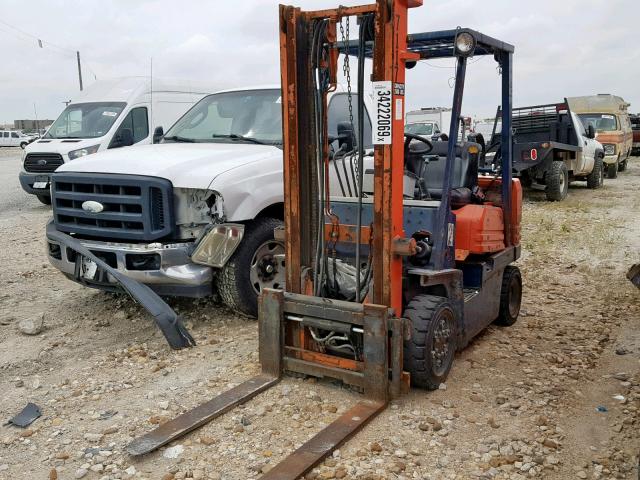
419	128
85	120
250	116
602	122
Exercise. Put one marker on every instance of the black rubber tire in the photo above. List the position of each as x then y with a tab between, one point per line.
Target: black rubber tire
557	181
595	179
424	312
525	180
612	170
234	284
23	145
510	296
622	166
45	199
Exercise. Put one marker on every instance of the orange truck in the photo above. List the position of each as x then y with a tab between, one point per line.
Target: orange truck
609	116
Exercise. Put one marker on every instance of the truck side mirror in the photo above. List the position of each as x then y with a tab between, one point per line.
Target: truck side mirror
158	133
591	132
346	135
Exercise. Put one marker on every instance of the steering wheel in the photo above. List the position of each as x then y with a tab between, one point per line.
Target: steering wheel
412	136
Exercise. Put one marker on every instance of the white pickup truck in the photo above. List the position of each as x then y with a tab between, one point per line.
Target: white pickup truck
193	212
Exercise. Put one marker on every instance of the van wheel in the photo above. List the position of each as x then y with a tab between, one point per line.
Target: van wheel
557	180
622	166
510	296
612	170
428	354
45	199
595	179
257	263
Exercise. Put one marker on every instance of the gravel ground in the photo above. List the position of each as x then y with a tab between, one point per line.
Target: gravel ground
520	402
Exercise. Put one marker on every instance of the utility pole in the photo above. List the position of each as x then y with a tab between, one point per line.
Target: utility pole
36	114
79	69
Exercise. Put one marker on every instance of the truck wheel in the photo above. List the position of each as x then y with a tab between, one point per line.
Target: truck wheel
428	354
510	296
257	263
595	179
612	169
622	166
46	199
557	180
23	145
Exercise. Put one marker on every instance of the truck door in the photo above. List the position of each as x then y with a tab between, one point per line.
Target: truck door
585	160
4	139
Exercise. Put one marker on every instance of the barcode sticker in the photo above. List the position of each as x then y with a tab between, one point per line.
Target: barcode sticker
382	120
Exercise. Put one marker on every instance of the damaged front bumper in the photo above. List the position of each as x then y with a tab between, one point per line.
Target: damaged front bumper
88	264
166	268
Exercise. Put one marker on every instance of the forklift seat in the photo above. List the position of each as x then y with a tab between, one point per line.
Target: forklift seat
465	170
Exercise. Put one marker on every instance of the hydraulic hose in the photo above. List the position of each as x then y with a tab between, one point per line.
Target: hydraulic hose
364	29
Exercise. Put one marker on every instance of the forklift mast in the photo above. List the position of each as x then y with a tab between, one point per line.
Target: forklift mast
300	123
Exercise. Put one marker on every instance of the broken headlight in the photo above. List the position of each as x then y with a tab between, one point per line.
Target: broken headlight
194	206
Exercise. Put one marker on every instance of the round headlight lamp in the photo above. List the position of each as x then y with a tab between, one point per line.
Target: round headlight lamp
465	44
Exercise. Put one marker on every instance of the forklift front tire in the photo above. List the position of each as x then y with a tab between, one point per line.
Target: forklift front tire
428	354
510	296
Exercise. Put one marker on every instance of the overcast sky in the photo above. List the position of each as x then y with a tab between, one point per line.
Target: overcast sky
563	48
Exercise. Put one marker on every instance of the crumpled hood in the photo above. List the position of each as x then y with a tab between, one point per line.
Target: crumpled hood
186	165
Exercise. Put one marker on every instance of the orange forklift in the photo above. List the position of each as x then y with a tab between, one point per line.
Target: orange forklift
383	284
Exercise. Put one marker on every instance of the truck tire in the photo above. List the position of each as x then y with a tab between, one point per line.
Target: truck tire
557	180
510	296
45	199
428	354
23	145
612	169
622	166
252	267
595	179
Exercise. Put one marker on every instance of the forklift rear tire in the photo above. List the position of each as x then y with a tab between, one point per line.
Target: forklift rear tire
44	199
557	180
612	170
428	354
257	263
510	296
596	178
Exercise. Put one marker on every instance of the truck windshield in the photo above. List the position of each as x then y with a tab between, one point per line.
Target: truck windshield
419	128
250	116
85	120
602	122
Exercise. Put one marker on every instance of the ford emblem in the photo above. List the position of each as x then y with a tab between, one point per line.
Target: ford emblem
92	207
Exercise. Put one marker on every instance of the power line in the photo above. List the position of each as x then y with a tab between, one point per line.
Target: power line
19	33
38	39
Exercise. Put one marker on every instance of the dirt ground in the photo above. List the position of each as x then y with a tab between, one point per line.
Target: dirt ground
555	396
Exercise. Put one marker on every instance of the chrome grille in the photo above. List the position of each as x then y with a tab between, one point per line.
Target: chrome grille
133	207
42	162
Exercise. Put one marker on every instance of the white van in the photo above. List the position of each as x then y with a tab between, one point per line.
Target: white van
109	114
13	138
